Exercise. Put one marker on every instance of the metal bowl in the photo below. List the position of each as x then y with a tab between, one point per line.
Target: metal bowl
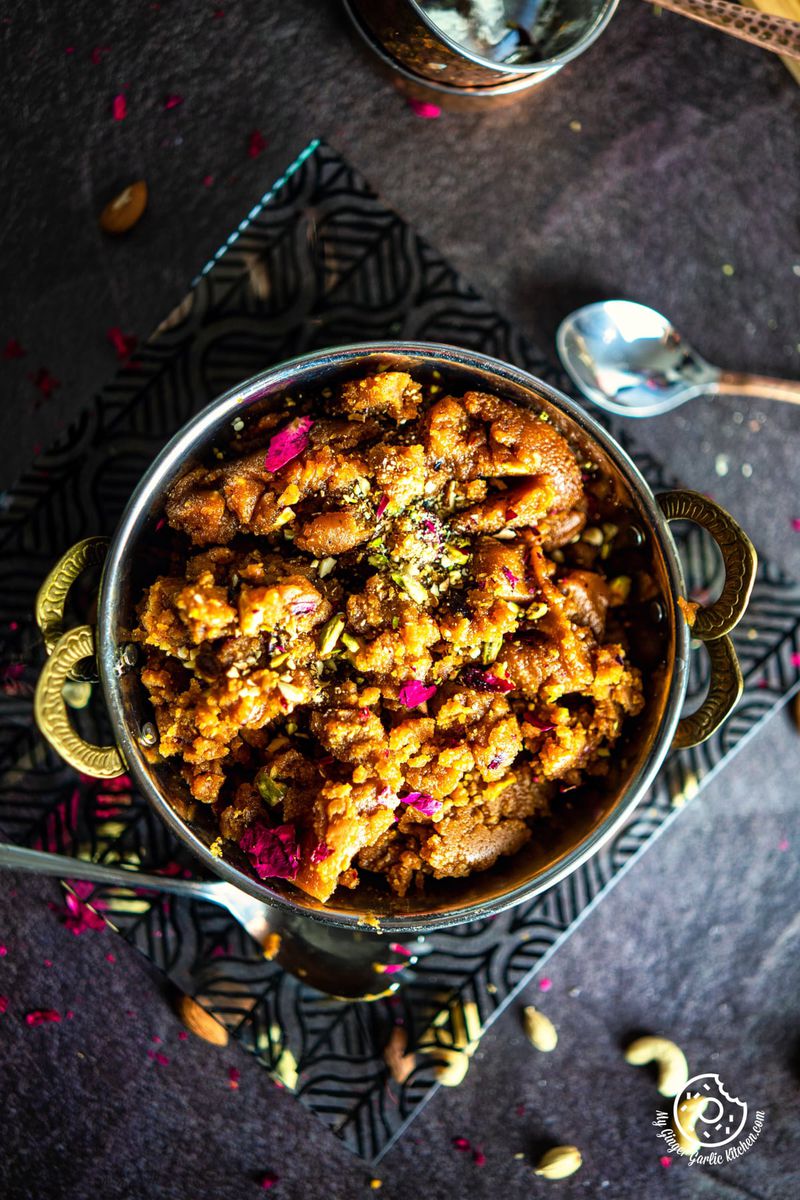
139	550
414	41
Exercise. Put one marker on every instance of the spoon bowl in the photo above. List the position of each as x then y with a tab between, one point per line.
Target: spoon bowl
631	361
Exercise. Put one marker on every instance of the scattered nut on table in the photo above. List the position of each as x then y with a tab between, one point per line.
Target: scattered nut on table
673	1070
122	213
540	1030
199	1022
559	1162
396	1056
691	1109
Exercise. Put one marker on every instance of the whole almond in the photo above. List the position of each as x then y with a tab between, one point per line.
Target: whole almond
122	213
200	1022
540	1029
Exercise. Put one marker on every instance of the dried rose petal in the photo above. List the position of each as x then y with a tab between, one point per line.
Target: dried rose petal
234	1075
461	1143
3	951
510	576
208	181
162	1059
96	54
79	916
542	726
268	1180
273	851
119	107
422	802
302	608
430	527
173	100
398	949
545	984
320	853
414	693
124	343
796	524
12	349
511	514
42	1016
287	444
383	504
666	1160
795	659
495	684
479	1158
256	144
44	381
3	1005
428	112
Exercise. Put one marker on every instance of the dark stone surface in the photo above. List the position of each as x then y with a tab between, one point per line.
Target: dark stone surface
687	158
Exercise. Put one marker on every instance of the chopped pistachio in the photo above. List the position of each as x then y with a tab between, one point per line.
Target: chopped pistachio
352	643
621	586
277	660
411	585
269	789
284	517
593	536
536	611
331	632
326	566
491	649
294	695
454	556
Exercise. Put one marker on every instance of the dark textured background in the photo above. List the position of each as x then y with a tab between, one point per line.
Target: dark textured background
687	158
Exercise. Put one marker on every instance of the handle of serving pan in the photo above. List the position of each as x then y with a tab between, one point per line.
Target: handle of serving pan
50	710
712	623
65	651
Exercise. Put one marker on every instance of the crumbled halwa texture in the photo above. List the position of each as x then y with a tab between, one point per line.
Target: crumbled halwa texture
378	656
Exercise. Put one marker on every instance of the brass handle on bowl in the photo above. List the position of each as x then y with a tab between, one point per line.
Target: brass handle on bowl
714	622
65	651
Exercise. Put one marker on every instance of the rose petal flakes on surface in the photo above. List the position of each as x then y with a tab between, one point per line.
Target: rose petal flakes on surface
124	343
545	984
119	107
234	1075
383	504
97	52
414	693
795	659
80	917
428	112
796	524
479	1158
12	349
422	802
268	1180
256	144
44	382
783	844
173	100
42	1016
510	576
272	851
3	951
320	853
666	1160
287	444
461	1143
3	1005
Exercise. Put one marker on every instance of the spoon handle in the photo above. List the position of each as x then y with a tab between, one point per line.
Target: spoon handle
39	862
733	383
779	34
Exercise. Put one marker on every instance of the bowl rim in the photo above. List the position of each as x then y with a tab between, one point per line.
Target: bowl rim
588	38
148	494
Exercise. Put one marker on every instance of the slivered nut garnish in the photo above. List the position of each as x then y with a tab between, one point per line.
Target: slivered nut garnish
691	1109
122	213
201	1023
540	1030
673	1070
559	1162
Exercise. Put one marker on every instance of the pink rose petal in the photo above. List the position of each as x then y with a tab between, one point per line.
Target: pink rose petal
320	853
173	100
287	444
44	382
3	1005
414	693
542	726
12	349
42	1016
273	851
119	107
510	576
496	684
422	802
208	181
183	1036
256	144
545	984
3	951
796	524
124	343
234	1075
96	54
80	917
666	1160
461	1143
783	844
795	659
429	112
383	504
268	1180
479	1158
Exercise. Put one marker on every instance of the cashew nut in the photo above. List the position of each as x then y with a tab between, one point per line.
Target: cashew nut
559	1162
691	1109
540	1030
673	1070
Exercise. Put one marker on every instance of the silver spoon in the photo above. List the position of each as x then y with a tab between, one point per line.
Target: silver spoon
345	963
631	361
